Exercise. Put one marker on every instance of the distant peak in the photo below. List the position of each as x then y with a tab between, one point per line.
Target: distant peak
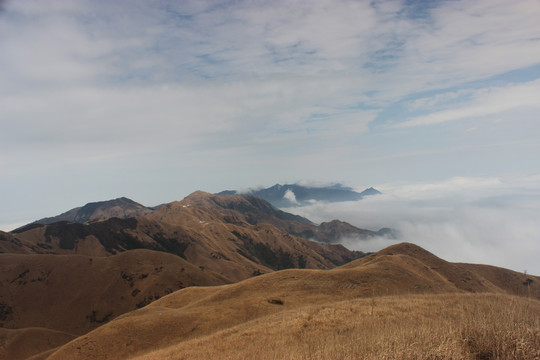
199	193
121	207
198	197
406	248
370	191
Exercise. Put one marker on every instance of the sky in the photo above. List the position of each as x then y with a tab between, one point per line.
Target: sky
153	100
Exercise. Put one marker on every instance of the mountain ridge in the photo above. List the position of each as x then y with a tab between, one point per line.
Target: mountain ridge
260	210
240	233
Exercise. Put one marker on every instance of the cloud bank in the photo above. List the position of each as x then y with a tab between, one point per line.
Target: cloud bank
479	220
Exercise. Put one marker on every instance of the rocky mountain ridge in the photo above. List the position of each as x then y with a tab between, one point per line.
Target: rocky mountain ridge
255	209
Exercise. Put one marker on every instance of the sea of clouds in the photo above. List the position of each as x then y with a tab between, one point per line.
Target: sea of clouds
492	221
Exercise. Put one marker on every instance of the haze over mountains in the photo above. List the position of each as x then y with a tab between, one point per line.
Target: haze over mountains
290	195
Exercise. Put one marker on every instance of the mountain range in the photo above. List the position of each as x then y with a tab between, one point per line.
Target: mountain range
230	276
255	210
291	195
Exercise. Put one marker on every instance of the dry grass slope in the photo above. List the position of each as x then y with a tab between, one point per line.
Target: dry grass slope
402	302
451	326
19	344
76	294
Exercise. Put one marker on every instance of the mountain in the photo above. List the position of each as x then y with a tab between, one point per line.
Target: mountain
234	235
334	231
96	211
401	302
290	195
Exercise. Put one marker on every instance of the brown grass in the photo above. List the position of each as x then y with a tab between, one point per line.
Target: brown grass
450	326
401	303
18	344
76	294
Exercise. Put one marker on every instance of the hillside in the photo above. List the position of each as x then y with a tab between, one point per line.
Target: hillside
319	314
79	293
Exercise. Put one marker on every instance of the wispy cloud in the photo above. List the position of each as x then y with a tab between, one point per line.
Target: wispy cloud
484	102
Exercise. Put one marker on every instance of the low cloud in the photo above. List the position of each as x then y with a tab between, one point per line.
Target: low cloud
476	220
289	195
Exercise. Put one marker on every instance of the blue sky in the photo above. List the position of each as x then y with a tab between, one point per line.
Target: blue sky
155	99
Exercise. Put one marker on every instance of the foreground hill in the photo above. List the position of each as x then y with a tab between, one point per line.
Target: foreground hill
402	302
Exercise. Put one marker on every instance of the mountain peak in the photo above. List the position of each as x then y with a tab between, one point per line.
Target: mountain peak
121	207
370	191
198	196
256	207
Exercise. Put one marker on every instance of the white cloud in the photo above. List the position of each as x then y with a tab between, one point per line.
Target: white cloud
438	99
485	102
462	42
490	221
289	195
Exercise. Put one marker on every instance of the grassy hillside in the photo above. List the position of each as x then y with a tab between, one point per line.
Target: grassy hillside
402	302
76	294
448	326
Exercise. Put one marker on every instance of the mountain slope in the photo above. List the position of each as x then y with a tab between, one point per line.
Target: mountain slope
189	323
21	344
75	294
14	245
